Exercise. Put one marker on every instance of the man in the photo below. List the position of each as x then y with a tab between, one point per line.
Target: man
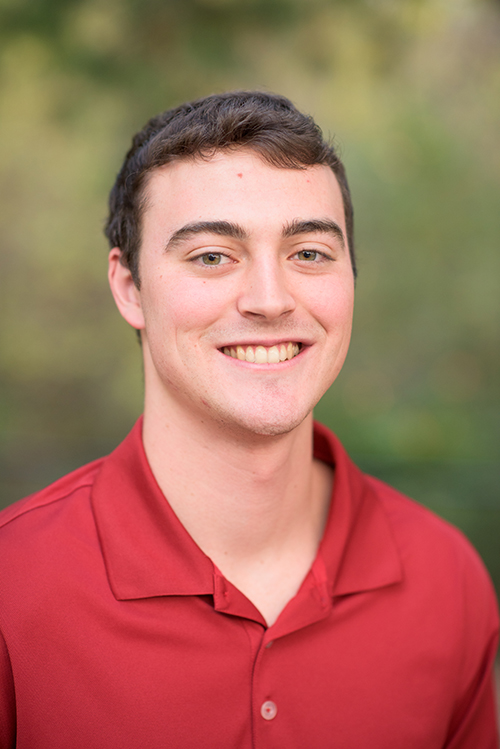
227	577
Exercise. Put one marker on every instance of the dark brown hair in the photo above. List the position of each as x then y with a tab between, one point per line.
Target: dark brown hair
266	123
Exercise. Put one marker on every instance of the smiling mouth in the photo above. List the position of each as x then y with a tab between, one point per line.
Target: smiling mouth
264	354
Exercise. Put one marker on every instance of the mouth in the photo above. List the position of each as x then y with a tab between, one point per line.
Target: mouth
264	354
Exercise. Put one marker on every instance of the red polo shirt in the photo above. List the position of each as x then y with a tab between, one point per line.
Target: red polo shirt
117	632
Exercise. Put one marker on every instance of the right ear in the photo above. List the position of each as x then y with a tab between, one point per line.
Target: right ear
126	294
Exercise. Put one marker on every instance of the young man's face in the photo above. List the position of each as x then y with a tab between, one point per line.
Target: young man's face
246	290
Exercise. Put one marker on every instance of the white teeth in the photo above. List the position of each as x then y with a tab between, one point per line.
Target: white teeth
273	355
262	355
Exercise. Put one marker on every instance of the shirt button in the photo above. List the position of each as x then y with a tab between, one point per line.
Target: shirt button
268	710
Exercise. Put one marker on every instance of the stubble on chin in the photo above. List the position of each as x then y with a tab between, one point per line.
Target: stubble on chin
254	422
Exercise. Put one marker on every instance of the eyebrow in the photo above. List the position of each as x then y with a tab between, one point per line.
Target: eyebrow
228	229
314	226
221	228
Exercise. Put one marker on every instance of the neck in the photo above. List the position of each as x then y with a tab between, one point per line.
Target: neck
254	503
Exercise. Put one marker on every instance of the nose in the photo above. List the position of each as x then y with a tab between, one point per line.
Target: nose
265	293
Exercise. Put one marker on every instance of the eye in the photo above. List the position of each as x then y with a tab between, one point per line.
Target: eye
212	258
309	255
312	257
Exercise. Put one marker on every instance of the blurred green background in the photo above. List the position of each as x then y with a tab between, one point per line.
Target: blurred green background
411	91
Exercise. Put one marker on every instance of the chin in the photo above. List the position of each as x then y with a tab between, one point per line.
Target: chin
273	425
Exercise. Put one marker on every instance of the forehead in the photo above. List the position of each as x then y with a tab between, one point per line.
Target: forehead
239	186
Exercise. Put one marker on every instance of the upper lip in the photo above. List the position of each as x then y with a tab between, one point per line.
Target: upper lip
266	344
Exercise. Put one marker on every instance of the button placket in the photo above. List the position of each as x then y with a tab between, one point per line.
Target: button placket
266	705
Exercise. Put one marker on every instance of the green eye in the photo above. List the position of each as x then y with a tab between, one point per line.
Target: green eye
211	258
307	255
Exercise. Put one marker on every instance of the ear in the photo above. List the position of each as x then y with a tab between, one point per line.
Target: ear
126	294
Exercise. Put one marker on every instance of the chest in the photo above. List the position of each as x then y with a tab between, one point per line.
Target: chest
175	672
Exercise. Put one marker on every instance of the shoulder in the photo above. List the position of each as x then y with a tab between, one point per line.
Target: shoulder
416	525
436	556
33	514
48	545
61	489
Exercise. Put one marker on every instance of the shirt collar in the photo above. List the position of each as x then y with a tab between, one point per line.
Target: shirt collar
358	547
148	552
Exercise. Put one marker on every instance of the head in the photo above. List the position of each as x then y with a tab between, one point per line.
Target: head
267	124
231	234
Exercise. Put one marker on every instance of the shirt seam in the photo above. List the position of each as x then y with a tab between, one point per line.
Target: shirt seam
48	502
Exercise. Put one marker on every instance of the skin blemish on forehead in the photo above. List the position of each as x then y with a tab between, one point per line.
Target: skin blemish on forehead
239	174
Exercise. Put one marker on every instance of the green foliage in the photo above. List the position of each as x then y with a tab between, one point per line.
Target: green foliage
410	89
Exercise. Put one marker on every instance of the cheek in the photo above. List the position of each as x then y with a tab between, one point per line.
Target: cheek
183	307
334	307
